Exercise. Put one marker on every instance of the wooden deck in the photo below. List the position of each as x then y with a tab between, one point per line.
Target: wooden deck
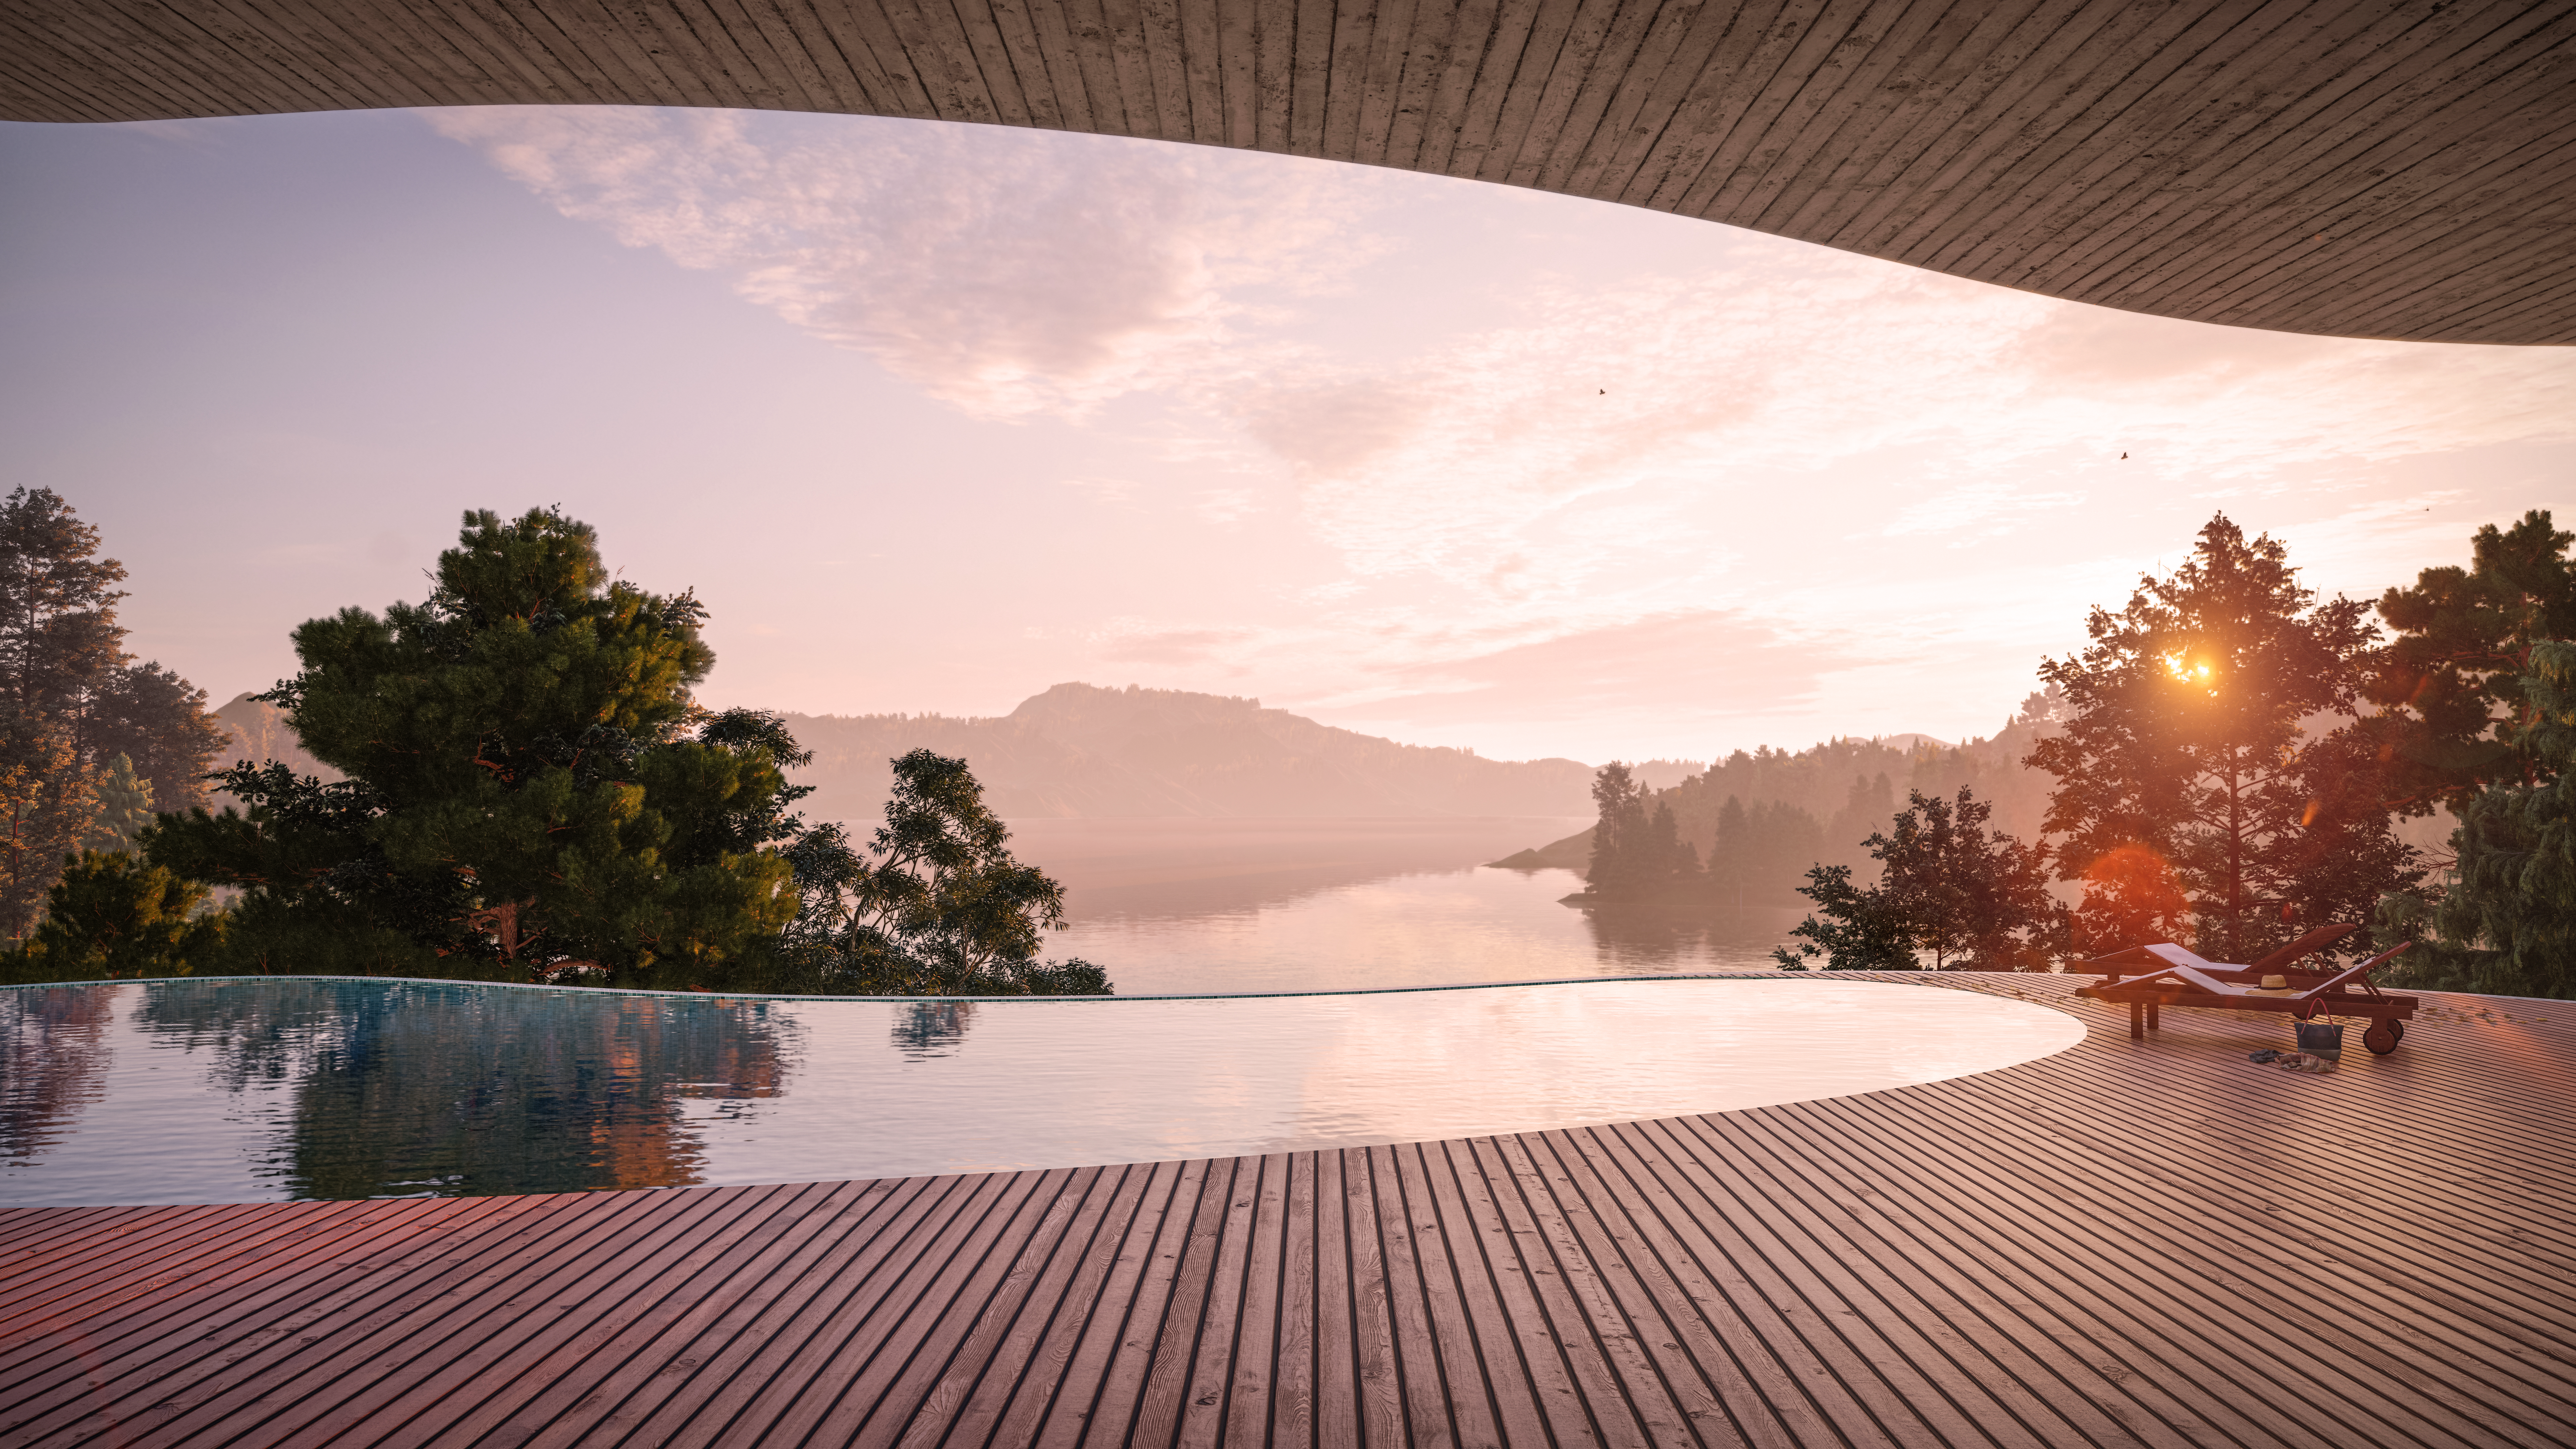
2127	1243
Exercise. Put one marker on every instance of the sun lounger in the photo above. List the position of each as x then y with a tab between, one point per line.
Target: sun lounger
2149	978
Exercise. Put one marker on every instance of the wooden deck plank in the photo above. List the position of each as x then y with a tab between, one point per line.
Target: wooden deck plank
1475	1236
642	1344
1010	1361
1246	1405
2149	1243
1117	1388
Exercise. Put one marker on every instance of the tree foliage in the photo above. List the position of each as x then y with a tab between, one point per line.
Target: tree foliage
72	702
2507	924
936	905
113	914
2451	684
124	807
47	805
529	783
1969	898
1637	850
2189	734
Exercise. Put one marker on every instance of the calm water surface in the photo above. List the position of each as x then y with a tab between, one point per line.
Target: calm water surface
203	1091
1312	905
217	1091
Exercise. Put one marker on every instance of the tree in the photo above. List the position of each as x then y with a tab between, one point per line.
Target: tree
124	808
63	668
1760	852
2507	924
111	914
937	906
2131	898
529	784
1637	849
58	631
161	723
2188	734
1972	901
47	803
2450	684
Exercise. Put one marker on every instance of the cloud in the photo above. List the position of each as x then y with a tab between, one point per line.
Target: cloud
1538	460
1006	271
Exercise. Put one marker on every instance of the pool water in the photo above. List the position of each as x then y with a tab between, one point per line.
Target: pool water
284	1088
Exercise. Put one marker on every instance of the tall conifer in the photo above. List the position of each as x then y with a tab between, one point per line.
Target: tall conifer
2194	731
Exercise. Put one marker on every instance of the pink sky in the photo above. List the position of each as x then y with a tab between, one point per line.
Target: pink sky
934	417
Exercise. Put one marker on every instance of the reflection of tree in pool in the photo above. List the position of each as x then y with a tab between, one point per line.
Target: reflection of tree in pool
458	1090
260	1033
452	1091
1644	936
54	1040
926	1029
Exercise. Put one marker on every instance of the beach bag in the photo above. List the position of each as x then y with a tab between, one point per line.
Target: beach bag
2320	1038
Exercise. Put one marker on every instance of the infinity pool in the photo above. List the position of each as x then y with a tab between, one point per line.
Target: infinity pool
268	1089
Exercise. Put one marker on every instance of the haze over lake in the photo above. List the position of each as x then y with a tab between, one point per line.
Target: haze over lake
1174	905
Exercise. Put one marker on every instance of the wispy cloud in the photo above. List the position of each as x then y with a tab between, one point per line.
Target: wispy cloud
1005	271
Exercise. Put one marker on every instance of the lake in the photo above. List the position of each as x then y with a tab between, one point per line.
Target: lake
1188	906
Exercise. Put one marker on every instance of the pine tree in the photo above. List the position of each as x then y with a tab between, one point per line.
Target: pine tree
124	808
2507	924
113	915
2450	685
1637	850
2188	735
162	724
63	665
937	906
530	785
58	632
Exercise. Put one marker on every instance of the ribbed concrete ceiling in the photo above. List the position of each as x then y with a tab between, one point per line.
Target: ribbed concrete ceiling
2358	169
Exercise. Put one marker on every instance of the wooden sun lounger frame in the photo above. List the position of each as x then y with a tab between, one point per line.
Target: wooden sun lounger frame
2167	975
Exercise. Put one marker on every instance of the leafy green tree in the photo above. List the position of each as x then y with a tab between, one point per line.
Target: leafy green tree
530	787
48	800
112	914
2189	733
2507	924
1637	850
936	906
2450	685
1969	899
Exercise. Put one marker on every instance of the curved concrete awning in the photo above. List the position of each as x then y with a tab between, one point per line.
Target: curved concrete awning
2340	167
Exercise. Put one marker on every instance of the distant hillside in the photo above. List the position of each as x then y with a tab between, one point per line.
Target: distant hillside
259	735
1081	750
1826	799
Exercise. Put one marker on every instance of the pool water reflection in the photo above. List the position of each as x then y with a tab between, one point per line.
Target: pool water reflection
247	1090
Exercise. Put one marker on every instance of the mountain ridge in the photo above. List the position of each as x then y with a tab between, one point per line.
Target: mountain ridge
1084	750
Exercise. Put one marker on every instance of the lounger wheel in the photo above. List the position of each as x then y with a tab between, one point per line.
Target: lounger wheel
2381	1038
